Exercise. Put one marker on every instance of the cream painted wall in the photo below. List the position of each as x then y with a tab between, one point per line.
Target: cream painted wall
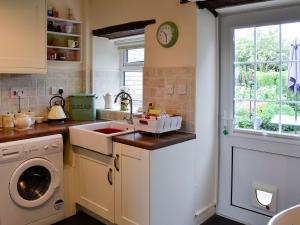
196	49
206	160
63	5
108	13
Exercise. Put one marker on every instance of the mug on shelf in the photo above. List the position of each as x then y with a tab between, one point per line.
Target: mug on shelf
73	44
69	28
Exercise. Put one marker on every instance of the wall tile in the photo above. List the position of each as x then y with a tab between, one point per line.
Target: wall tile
155	82
38	89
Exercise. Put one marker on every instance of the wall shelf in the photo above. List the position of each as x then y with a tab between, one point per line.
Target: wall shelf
61	47
63	20
63	39
63	34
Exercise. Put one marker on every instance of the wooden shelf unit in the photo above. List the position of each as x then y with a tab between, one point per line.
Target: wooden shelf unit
60	32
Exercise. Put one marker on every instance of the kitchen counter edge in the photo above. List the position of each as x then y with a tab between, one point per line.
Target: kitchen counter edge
152	141
38	130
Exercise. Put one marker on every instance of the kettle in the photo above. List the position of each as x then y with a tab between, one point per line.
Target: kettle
56	109
107	101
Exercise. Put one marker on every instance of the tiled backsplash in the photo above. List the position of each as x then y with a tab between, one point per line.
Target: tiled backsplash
155	84
38	88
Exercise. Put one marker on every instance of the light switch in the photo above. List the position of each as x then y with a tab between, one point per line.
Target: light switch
181	89
169	89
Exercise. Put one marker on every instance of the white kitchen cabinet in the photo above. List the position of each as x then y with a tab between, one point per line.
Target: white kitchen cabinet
23	36
131	185
154	187
138	186
95	182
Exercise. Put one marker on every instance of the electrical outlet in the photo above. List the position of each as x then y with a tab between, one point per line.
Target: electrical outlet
55	90
18	92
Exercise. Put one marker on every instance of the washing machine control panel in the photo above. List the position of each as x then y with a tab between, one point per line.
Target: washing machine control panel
28	148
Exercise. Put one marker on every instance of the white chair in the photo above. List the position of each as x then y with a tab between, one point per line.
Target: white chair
290	216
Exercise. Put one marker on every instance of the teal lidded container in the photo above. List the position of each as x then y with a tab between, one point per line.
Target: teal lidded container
82	106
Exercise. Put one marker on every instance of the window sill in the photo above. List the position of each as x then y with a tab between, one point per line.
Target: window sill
114	114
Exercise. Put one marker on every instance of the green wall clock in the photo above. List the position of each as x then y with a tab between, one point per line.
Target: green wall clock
167	34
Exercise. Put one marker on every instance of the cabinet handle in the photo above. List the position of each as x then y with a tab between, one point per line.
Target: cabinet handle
109	176
116	161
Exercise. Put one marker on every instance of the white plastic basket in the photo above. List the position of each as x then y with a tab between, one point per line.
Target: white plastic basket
159	125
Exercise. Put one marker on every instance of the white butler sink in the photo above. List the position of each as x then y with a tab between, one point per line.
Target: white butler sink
98	136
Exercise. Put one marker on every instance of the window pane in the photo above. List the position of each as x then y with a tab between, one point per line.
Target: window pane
135	55
243	114
244	44
268	83
266	114
289	32
134	81
288	92
267	43
244	81
290	118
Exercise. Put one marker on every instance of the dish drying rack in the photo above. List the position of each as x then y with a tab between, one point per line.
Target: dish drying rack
158	125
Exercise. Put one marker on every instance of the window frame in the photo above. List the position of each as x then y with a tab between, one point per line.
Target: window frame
228	22
130	67
255	62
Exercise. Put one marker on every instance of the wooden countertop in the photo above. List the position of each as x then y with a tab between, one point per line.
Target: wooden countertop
152	141
38	130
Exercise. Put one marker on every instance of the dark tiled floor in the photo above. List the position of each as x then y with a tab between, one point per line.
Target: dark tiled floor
82	219
218	220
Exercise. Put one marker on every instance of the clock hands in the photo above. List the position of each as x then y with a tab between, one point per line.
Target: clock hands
166	36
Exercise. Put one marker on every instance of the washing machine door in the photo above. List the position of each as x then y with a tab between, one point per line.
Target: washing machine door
34	182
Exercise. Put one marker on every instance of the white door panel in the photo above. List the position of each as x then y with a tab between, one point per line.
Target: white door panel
249	158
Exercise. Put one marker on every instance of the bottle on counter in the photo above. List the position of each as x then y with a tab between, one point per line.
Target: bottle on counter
8	120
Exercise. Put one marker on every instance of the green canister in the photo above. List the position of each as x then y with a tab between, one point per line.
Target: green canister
82	106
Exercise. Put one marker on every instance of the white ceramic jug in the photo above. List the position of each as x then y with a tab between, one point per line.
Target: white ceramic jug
22	121
107	101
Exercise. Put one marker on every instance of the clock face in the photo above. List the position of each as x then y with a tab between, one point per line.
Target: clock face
167	34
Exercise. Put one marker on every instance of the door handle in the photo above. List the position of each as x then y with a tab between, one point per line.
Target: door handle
116	162
109	176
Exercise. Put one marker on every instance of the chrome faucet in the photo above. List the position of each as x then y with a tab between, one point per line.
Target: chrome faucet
130	120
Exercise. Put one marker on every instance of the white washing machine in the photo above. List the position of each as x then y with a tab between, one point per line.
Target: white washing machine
31	181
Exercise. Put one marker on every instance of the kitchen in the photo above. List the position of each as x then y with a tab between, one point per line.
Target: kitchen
191	63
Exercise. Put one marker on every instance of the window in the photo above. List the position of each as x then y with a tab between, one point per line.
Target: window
266	75
132	70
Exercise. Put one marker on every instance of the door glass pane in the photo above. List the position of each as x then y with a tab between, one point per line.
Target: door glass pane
267	114
243	114
244	81
268	83
288	93
244	45
34	183
267	43
289	32
290	118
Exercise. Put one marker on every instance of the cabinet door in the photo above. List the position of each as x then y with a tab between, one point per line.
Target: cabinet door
131	185
23	36
95	183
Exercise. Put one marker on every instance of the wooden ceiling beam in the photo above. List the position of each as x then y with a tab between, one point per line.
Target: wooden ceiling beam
123	30
212	5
